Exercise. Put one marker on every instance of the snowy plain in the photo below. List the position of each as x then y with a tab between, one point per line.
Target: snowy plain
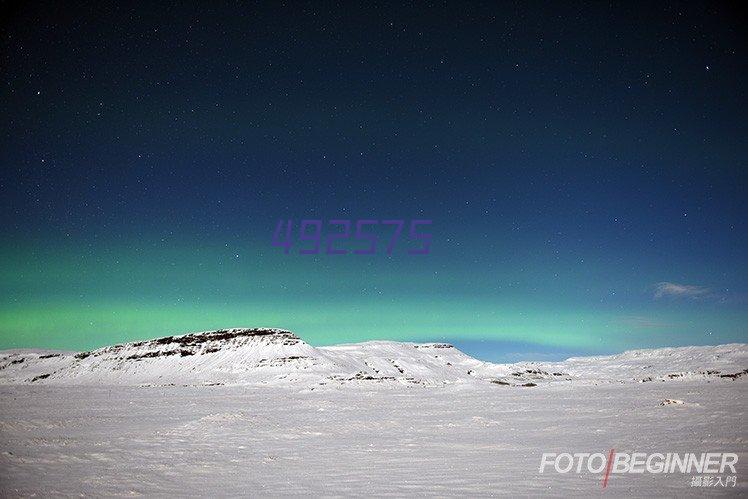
381	419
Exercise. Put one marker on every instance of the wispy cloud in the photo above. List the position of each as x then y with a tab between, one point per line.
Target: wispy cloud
675	290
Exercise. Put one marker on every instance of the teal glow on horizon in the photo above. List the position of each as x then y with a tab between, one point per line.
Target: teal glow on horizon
66	298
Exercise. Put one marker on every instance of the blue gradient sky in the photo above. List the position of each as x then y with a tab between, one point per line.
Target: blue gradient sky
584	168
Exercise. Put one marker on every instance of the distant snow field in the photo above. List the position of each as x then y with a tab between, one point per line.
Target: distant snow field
260	412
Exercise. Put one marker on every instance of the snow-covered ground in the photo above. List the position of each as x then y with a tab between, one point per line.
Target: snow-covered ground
266	414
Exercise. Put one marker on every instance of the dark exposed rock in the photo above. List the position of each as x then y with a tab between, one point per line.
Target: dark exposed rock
13	362
151	355
534	372
187	344
735	375
710	372
279	361
672	402
361	376
400	369
49	356
41	376
196	339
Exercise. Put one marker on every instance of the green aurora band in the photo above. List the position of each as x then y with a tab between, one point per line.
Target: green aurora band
73	299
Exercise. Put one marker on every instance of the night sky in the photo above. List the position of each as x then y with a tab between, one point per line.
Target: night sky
584	166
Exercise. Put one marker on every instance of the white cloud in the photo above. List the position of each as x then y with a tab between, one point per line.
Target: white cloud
671	289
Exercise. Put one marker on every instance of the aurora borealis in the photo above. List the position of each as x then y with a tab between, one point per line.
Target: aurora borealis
584	171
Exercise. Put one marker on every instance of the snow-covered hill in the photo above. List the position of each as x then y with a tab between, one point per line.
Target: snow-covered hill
276	356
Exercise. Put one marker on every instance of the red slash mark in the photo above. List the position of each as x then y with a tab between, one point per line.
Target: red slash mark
609	467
